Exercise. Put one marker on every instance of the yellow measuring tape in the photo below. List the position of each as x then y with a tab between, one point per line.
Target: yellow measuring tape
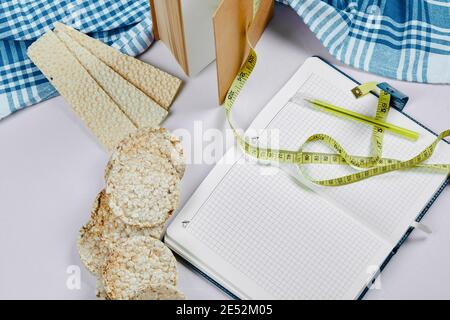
371	166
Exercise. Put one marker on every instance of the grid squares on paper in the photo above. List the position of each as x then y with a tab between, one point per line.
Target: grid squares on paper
382	201
266	226
293	246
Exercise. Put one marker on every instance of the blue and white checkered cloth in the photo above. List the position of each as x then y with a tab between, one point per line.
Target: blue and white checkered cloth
124	24
401	39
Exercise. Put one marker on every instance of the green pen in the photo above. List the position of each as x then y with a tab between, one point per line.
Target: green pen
363	119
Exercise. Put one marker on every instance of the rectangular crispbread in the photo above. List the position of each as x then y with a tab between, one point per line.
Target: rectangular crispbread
92	104
140	108
157	84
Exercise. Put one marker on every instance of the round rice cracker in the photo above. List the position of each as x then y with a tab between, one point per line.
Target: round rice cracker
103	232
161	292
136	265
90	245
115	230
156	141
143	191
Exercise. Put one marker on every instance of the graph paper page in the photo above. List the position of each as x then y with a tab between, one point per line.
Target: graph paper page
264	230
387	203
285	238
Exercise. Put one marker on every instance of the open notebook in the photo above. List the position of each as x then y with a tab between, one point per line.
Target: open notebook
264	235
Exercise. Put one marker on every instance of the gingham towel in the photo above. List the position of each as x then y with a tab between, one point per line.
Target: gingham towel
124	24
401	39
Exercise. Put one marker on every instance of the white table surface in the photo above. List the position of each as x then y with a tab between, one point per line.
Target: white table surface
51	170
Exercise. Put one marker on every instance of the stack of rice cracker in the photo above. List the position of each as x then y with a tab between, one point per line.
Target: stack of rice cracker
120	243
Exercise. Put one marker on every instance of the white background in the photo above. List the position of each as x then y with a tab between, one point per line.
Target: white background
51	169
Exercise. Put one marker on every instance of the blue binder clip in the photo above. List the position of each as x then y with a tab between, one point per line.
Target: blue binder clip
398	99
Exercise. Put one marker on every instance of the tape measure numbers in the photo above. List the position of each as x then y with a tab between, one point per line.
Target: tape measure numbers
373	165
